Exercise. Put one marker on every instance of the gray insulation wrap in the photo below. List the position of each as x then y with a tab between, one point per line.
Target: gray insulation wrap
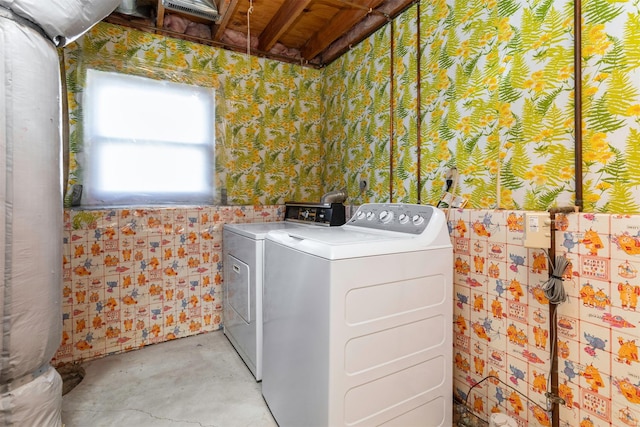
62	20
30	224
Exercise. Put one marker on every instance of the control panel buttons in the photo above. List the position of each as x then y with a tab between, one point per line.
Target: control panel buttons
396	217
386	217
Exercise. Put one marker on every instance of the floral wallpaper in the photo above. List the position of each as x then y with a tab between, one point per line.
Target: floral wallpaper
611	106
496	87
356	99
268	147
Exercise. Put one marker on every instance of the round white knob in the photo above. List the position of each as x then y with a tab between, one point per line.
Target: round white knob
360	215
386	217
370	216
403	218
417	220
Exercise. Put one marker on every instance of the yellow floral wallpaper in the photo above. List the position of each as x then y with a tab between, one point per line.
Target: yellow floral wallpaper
356	99
496	82
611	106
496	102
268	147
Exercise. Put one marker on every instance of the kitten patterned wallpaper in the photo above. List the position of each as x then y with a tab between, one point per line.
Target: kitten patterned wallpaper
143	276
501	318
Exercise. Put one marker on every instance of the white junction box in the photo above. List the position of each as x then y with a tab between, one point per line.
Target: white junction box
537	230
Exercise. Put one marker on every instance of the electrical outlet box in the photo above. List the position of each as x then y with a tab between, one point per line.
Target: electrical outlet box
537	230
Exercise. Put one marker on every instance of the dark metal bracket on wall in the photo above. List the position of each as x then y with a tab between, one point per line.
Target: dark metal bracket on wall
392	89
418	107
577	108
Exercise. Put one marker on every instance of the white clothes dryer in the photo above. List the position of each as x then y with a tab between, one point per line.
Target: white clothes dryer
243	258
357	321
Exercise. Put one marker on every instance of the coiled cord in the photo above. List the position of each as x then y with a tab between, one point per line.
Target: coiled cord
554	288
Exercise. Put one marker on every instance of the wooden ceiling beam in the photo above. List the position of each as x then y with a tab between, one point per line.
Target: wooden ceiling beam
281	22
340	24
363	29
226	8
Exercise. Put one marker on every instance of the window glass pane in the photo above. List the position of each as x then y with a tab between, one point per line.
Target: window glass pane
132	107
147	141
150	168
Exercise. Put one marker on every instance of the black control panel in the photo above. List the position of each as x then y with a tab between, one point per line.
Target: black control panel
321	214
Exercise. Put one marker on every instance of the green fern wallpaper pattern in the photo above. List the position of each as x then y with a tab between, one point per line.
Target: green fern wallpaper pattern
496	102
268	147
496	85
611	106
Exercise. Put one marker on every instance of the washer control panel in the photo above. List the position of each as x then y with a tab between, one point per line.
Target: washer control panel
327	214
400	217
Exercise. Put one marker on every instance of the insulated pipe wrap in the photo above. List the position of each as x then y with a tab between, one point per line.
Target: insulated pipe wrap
62	20
31	212
18	407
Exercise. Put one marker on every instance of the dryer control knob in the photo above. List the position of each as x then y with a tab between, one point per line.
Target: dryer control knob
360	215
386	217
370	216
403	218
417	220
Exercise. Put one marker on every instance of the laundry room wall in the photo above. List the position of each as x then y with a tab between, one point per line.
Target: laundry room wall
496	101
269	122
501	317
495	84
134	277
140	276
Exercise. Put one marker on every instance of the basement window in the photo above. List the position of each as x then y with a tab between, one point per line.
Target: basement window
147	141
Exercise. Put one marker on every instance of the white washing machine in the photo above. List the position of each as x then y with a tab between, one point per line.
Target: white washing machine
357	321
243	258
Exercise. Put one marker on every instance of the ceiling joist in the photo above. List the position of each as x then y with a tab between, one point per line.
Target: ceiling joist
343	22
308	32
288	13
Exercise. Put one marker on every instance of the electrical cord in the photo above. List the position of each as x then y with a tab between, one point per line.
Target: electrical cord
554	291
554	288
466	399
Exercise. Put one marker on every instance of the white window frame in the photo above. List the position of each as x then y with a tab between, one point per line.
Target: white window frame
146	141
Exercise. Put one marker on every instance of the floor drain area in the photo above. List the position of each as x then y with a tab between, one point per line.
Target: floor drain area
72	374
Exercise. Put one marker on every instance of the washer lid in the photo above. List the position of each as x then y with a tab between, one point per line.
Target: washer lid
258	230
349	242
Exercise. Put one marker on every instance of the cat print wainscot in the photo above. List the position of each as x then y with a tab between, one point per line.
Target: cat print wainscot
134	277
501	318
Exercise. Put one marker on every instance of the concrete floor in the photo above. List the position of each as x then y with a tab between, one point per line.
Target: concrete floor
193	381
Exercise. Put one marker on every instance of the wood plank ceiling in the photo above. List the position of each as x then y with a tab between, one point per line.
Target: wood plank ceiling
309	32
